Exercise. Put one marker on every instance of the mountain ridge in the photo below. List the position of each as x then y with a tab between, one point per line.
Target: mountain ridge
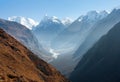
19	64
28	22
100	63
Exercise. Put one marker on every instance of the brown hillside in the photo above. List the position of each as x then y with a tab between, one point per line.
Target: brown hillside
18	64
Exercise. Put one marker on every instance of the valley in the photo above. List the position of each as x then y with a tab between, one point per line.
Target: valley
59	41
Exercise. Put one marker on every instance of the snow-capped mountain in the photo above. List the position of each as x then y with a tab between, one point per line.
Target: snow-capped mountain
72	37
67	21
48	28
93	16
28	22
48	21
99	29
75	34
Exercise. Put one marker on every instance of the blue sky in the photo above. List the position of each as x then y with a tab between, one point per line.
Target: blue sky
36	9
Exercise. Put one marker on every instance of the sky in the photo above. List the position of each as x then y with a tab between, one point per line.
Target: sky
36	9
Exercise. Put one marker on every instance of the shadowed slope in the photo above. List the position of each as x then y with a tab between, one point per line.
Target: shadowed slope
102	62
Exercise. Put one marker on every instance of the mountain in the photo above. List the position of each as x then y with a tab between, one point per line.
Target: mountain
67	21
71	38
101	62
28	22
25	36
74	35
99	29
18	64
48	28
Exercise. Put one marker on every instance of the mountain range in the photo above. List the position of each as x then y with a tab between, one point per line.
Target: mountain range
46	30
81	27
85	39
101	62
28	22
63	43
72	37
99	29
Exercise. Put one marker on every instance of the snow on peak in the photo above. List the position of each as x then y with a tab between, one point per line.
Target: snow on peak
55	19
103	14
80	18
67	21
93	16
96	15
28	22
51	19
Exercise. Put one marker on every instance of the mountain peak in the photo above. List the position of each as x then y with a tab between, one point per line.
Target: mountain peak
93	16
104	12
28	22
96	15
49	19
67	21
55	19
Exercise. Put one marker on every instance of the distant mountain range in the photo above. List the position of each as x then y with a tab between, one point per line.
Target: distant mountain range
72	37
86	34
46	30
99	29
28	22
75	34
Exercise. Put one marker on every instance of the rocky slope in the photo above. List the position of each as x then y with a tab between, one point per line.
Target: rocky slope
18	64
